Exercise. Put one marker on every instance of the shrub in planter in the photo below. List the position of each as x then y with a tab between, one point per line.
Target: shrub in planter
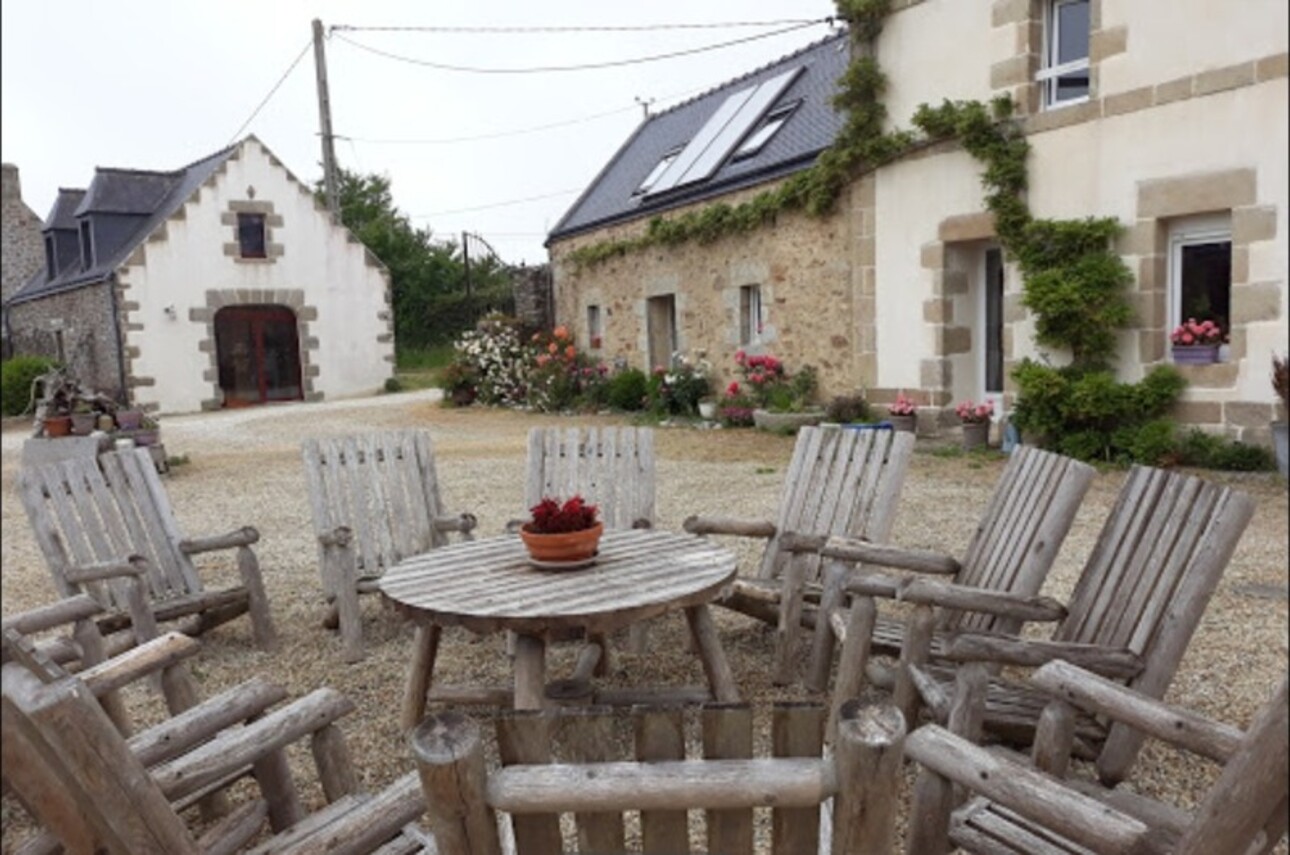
16	377
846	409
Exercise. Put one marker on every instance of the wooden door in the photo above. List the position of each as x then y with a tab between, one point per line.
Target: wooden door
660	320
258	352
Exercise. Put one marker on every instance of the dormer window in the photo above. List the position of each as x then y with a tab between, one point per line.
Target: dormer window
659	169
51	259
250	235
87	246
757	139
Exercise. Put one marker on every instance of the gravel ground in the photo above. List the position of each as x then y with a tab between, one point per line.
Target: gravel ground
244	467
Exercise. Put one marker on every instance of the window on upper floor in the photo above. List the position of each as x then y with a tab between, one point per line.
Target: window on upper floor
250	235
1200	270
87	245
750	321
51	258
1064	78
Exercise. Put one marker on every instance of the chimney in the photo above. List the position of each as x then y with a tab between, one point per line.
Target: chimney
12	189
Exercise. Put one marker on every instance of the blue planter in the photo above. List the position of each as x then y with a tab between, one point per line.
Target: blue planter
1195	354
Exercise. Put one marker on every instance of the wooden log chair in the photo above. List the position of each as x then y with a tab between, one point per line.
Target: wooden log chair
1135	607
375	500
532	789
611	467
1012	549
101	524
839	482
94	790
1039	807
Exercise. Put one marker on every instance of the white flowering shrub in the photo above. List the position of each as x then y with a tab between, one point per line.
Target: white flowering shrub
501	359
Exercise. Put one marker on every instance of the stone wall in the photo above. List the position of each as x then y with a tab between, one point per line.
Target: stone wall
76	328
532	289
22	249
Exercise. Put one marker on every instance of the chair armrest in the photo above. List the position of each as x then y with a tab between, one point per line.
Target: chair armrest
1011	650
184	731
856	550
65	611
341	535
464	523
154	655
965	598
244	536
729	525
1098	695
234	750
135	565
1025	790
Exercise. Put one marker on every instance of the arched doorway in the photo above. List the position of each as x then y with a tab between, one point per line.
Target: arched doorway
258	352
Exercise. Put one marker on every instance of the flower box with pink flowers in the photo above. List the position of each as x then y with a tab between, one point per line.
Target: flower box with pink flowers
1196	342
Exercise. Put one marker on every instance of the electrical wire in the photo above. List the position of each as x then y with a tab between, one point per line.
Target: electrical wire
587	67
497	204
623	28
493	136
281	80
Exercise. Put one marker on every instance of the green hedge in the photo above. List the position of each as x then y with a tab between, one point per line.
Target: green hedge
16	376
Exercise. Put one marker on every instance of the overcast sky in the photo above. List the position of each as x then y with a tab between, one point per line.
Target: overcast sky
156	84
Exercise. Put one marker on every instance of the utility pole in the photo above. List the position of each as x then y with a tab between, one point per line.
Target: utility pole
465	257
324	121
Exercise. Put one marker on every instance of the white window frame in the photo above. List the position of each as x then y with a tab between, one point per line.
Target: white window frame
1184	232
751	317
1049	74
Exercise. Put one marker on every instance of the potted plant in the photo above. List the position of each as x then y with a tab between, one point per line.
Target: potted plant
460	382
902	413
562	533
129	419
976	422
1196	342
1281	386
781	402
148	433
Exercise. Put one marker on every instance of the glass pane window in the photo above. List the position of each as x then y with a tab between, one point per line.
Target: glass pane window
1200	271
750	322
1065	76
594	329
993	320
250	235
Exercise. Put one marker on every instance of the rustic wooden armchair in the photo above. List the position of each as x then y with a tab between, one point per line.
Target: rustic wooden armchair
1012	549
1023	808
95	791
375	500
464	798
1138	601
101	524
839	482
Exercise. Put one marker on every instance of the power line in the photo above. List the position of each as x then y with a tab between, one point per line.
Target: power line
623	28
497	204
587	67
281	80
493	136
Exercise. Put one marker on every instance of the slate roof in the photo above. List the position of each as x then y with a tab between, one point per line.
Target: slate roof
150	197
810	129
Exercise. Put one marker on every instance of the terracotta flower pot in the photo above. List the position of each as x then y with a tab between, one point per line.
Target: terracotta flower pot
58	426
565	546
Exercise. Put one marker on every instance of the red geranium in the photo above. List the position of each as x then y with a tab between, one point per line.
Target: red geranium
551	517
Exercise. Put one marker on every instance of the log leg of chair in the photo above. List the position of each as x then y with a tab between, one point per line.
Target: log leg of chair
351	623
704	632
93	651
266	637
817	677
530	672
915	650
425	648
790	617
853	659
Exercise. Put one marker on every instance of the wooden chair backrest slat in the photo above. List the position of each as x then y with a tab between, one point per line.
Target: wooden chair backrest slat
1014	547
610	467
382	486
839	482
85	511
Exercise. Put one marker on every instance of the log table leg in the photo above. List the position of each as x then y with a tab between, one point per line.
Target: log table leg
530	672
704	632
425	647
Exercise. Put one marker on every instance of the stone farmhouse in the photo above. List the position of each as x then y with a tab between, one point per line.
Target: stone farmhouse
223	283
1174	124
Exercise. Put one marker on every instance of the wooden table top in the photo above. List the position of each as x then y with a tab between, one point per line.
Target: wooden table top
489	585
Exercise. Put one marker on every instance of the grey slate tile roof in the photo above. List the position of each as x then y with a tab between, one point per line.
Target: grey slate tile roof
148	198
810	130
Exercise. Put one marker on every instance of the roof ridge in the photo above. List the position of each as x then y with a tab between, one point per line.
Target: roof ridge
130	170
786	57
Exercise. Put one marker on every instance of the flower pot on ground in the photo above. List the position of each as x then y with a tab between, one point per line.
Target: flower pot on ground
976	422
56	426
562	533
83	423
708	408
976	435
129	419
903	414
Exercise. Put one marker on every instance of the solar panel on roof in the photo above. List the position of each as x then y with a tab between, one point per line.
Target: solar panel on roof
766	94
695	148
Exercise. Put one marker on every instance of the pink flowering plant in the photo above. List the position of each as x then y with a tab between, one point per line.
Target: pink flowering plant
902	406
766	383
1194	332
972	413
560	376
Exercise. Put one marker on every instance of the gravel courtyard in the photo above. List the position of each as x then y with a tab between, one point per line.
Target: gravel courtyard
244	468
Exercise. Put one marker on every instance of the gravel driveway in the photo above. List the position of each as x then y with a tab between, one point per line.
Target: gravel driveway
244	467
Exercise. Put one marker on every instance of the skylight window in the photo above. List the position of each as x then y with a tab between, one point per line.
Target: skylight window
758	138
652	178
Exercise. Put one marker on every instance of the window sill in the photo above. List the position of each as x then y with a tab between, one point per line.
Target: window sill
1215	375
240	260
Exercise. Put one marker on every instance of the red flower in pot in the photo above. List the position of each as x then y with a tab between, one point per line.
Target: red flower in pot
562	532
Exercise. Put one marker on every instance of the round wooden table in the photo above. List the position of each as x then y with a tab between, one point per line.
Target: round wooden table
489	586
